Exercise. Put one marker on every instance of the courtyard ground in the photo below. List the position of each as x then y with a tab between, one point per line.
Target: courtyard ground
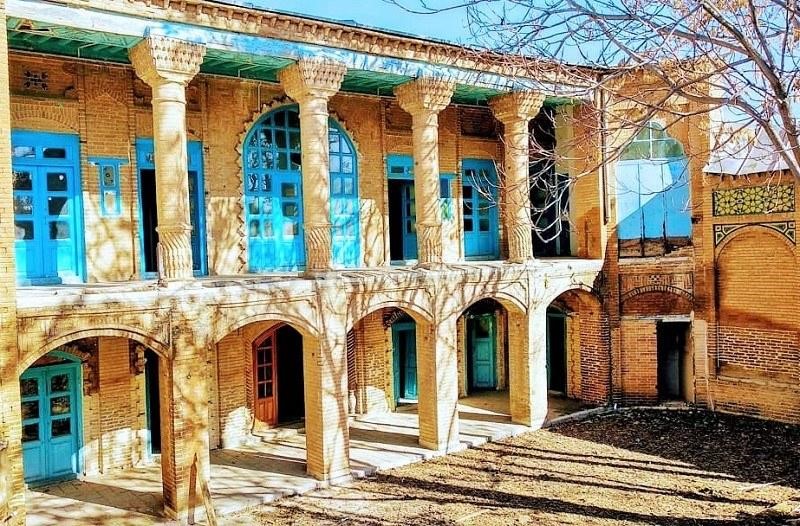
632	468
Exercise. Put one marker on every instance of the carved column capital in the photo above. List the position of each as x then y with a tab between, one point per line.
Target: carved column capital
516	106
425	95
159	59
312	78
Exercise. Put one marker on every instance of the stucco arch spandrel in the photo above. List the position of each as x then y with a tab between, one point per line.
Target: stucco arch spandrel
754	228
32	349
54	117
300	315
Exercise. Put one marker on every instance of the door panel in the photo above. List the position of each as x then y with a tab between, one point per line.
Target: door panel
28	227
265	371
481	329
51	422
405	348
479	210
409	217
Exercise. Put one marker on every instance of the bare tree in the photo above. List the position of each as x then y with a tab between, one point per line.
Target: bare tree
731	64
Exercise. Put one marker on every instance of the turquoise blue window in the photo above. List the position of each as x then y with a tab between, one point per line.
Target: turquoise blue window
148	214
273	191
48	213
344	198
109	182
653	187
479	209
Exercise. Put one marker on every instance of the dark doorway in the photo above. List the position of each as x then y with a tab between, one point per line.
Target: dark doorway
147	192
289	350
402	221
556	351
672	360
153	401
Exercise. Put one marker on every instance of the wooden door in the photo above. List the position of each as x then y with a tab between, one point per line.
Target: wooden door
481	328
265	377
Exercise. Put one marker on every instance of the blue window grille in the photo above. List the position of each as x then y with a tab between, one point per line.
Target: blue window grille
108	172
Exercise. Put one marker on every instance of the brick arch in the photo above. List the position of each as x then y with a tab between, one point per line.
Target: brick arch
670	289
302	325
418	314
27	116
756	280
751	228
159	347
509	302
581	289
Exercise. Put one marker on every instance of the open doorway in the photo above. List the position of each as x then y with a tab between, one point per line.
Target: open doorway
556	350
278	371
152	402
402	220
674	361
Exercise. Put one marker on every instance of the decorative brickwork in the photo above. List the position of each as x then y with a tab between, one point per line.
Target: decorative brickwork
786	228
768	199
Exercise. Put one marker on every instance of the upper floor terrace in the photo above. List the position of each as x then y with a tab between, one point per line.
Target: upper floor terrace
238	151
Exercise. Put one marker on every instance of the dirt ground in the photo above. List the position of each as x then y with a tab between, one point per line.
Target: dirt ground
639	467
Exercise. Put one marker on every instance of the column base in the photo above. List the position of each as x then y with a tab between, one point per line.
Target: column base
335	477
444	447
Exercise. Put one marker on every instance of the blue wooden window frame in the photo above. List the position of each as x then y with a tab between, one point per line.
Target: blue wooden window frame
480	244
653	187
401	167
145	160
106	166
39	154
273	192
344	205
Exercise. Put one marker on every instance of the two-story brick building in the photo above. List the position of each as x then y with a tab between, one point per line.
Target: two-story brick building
217	219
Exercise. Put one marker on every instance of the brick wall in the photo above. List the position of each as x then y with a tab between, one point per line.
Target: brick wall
373	362
639	364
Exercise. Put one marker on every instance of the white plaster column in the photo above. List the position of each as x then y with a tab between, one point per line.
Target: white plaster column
167	65
515	110
424	98
312	82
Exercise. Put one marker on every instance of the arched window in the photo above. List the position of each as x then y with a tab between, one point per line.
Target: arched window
653	207
344	197
273	194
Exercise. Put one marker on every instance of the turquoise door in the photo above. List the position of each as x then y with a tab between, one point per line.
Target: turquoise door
148	217
404	338
47	208
482	351
51	419
479	204
409	219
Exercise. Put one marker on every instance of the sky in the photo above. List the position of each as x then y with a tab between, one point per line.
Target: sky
449	26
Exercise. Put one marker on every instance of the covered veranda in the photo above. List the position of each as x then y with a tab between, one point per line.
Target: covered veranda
261	472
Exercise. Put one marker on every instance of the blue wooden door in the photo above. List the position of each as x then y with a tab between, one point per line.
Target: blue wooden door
148	219
409	218
479	205
344	198
51	420
405	357
482	341
47	208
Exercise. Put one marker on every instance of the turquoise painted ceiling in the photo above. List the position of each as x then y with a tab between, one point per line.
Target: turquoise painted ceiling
78	43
